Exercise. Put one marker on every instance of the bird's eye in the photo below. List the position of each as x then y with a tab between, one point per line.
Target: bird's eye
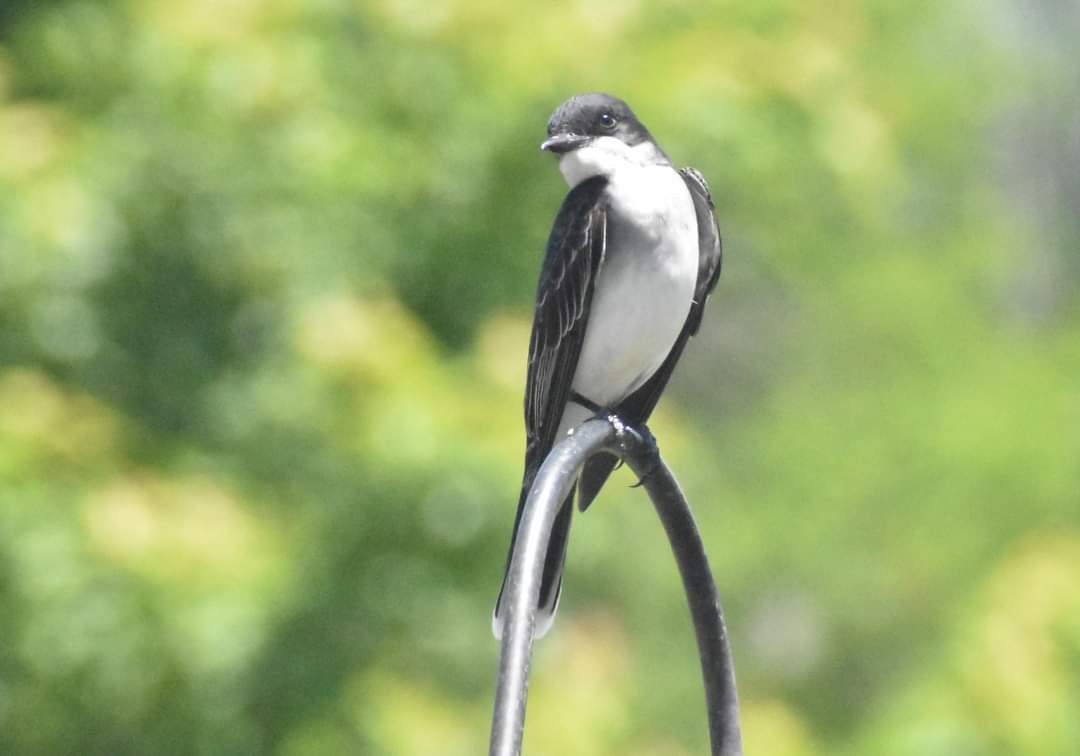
607	120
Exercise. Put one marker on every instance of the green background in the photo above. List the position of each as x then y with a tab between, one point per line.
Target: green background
266	271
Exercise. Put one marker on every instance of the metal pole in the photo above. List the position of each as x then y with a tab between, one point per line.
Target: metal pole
552	484
717	666
549	490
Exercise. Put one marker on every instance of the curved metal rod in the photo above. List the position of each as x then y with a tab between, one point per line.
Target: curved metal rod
552	484
717	666
549	490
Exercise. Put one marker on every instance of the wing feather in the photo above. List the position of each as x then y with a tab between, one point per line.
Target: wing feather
574	254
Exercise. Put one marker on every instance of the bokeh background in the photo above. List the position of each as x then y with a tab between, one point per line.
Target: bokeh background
266	270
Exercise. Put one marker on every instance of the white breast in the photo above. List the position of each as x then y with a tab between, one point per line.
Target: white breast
643	293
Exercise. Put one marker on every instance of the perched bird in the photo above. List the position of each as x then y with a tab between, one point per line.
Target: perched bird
632	258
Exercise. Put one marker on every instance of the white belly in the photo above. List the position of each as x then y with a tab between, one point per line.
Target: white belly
643	293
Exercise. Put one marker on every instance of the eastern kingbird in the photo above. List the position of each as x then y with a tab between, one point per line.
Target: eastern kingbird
632	258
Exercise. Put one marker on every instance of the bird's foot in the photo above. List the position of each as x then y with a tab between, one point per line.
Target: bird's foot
629	436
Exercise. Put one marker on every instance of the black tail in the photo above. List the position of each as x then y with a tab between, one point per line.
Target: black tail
551	584
593	476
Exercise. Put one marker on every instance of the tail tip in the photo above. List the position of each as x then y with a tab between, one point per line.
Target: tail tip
545	617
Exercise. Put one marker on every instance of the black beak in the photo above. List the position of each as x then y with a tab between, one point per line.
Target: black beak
560	144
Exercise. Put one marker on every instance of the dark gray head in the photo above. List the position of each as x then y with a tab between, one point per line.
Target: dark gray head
587	117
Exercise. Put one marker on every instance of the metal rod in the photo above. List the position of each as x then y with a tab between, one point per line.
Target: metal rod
549	490
717	666
552	484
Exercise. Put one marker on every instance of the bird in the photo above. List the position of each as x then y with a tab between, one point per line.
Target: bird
631	261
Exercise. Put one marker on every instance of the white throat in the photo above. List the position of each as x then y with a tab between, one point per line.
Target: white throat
605	156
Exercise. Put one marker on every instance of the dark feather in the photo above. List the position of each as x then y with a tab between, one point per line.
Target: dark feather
574	255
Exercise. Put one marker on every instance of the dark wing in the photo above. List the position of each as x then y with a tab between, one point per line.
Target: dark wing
575	253
637	407
710	248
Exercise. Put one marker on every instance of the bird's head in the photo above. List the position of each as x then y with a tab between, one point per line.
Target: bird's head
596	135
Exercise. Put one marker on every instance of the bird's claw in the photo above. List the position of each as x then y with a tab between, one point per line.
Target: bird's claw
644	478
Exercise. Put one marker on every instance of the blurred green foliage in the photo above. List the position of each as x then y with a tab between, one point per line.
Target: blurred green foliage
265	282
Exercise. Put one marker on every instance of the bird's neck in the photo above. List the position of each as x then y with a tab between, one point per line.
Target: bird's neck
609	157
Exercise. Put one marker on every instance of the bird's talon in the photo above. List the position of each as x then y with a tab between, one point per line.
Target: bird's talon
644	478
